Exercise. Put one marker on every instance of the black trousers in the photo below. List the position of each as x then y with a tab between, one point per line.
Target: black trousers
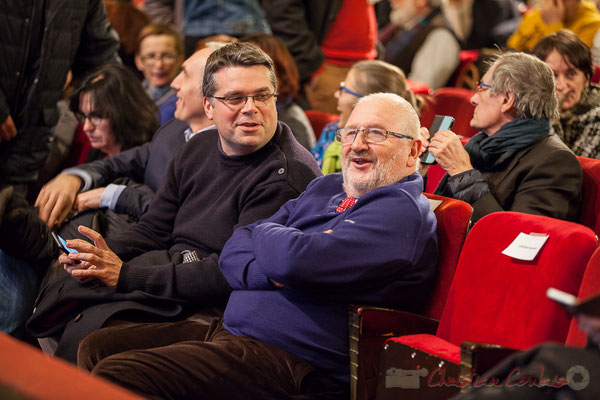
189	360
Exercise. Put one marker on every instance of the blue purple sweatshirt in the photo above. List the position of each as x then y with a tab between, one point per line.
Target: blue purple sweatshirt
382	251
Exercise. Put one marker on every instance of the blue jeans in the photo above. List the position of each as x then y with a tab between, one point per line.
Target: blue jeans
19	285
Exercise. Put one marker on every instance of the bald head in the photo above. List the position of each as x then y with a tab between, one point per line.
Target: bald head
367	165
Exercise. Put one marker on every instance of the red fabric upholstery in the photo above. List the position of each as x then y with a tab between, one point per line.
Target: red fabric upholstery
418	87
596	76
430	344
455	102
466	57
500	300
318	120
435	173
590	285
453	218
590	208
80	147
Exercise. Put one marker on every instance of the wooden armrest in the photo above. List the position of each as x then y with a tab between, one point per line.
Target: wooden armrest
369	328
378	321
480	357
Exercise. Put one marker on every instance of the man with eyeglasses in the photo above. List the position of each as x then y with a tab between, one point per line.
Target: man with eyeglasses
364	236
242	171
515	163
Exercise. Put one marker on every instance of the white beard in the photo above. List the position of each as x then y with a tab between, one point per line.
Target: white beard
380	175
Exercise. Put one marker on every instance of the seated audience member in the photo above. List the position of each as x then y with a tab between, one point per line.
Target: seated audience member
288	111
115	112
231	176
580	17
573	370
419	34
482	23
515	163
159	55
365	236
116	115
364	78
578	99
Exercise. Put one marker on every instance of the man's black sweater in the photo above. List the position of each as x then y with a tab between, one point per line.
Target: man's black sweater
204	197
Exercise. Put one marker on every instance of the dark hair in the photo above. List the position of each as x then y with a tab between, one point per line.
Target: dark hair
570	46
235	55
116	94
157	30
285	66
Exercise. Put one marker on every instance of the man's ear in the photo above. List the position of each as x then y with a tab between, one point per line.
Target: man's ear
415	150
138	62
508	101
208	108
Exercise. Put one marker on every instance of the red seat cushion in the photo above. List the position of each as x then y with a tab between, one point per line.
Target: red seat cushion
432	345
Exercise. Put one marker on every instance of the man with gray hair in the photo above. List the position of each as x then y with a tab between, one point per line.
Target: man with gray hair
515	163
364	236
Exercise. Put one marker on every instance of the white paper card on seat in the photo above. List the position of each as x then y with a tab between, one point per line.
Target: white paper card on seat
526	246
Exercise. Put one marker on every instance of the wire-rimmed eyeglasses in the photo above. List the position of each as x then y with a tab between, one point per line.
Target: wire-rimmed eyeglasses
370	135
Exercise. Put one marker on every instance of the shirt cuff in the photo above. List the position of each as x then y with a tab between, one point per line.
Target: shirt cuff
110	196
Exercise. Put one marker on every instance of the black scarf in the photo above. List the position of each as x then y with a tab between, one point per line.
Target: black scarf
484	150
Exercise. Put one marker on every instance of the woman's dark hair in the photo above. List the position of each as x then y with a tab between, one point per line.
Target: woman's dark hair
116	94
569	46
285	66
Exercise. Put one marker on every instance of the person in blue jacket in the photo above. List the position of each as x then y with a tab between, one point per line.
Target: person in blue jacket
364	236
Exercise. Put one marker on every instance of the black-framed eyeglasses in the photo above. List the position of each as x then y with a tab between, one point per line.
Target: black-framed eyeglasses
371	135
482	86
343	88
260	100
93	117
153	58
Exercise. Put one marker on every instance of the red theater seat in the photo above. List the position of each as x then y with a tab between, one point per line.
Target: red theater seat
452	101
590	207
372	326
318	120
590	285
494	299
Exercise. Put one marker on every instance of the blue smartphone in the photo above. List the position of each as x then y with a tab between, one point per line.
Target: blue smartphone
62	244
440	123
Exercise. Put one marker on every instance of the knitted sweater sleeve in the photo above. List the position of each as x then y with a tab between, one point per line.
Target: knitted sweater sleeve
199	282
366	251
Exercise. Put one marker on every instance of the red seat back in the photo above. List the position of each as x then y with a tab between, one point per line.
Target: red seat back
435	173
453	218
318	120
590	207
501	300
590	285
455	102
596	76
